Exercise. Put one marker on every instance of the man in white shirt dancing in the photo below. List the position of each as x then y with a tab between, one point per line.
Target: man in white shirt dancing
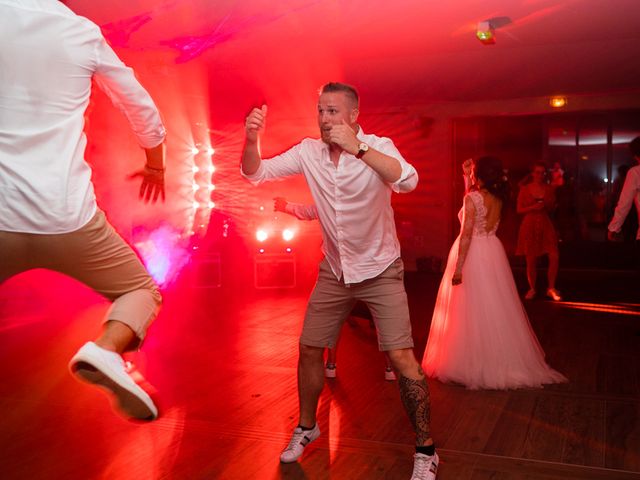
48	212
629	195
351	176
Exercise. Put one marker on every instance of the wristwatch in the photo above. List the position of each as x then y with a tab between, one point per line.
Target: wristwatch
362	149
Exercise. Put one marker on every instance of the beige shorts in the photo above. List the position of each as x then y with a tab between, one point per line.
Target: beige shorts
95	255
331	302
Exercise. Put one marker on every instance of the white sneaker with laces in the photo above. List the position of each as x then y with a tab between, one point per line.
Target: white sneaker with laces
389	374
107	369
425	467
299	440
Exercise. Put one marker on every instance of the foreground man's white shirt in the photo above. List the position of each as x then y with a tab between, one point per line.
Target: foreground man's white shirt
353	203
48	57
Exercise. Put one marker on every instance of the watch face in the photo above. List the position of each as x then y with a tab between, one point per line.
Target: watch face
363	146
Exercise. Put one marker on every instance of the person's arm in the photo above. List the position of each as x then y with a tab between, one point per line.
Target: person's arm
466	234
629	191
523	206
385	161
298	210
120	84
254	123
303	212
467	170
257	170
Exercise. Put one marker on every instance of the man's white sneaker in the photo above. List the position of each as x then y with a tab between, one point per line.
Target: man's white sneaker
106	369
389	374
299	440
425	467
330	370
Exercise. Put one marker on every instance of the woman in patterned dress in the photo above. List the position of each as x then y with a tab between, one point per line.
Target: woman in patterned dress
537	235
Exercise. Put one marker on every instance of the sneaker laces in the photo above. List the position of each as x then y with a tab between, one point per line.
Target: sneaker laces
421	465
296	439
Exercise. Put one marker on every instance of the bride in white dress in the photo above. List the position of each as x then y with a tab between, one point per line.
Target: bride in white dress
480	334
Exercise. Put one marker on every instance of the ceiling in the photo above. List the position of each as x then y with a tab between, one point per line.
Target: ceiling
398	53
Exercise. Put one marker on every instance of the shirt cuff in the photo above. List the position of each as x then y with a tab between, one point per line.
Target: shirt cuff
255	178
408	179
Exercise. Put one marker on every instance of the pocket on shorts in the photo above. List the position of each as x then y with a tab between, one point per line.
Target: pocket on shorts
395	270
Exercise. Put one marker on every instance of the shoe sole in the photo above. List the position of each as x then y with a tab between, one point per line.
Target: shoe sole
128	402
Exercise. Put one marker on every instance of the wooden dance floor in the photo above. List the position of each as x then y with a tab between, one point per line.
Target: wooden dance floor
224	364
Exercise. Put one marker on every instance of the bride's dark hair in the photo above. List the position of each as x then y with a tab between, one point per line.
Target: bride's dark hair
489	170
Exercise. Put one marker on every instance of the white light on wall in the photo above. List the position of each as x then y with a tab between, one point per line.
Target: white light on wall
287	234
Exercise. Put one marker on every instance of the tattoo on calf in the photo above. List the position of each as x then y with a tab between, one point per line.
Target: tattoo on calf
415	398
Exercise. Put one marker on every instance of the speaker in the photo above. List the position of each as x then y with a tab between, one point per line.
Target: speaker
274	270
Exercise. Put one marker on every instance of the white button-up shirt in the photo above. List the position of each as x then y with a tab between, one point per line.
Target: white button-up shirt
629	195
48	58
352	200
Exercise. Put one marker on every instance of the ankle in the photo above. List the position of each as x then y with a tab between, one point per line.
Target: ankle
429	450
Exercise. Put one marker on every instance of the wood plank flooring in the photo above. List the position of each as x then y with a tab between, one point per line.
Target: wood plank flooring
224	364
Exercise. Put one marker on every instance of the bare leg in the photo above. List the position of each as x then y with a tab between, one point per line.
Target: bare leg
387	360
331	356
332	353
310	383
414	393
552	274
116	337
532	272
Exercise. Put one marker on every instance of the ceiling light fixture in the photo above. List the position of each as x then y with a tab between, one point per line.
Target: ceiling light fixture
558	102
486	33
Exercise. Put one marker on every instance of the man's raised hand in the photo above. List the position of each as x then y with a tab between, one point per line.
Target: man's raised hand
256	121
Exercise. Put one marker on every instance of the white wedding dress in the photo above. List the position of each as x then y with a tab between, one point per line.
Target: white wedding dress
480	334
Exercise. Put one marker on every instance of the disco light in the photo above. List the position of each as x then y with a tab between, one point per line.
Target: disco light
261	235
287	235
